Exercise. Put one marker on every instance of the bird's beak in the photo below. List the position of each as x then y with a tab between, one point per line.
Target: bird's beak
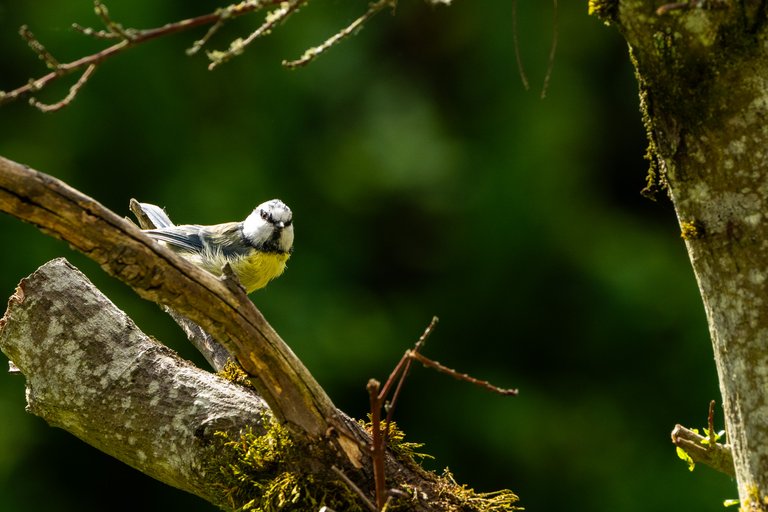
280	225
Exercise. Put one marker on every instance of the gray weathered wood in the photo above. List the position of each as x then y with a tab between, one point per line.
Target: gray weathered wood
92	372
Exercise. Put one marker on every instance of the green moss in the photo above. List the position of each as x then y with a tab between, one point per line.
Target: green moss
655	180
232	371
691	230
405	451
450	496
754	503
264	472
605	10
460	498
269	472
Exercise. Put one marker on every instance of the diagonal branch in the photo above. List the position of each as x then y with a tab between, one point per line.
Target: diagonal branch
157	274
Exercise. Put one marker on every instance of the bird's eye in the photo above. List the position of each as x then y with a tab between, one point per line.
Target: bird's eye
264	215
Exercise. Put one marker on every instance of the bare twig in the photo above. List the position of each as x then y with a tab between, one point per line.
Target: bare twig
128	39
113	27
516	44
38	48
237	47
314	52
459	376
355	488
378	398
377	442
552	51
52	107
711	423
406	362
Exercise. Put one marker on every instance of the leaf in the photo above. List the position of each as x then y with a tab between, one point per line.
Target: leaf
687	458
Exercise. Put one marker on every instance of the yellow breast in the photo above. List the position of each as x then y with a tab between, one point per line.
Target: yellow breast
257	270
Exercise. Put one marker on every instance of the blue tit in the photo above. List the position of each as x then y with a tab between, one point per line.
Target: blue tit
256	249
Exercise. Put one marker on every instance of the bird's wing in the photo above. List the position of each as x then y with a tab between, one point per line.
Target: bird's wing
226	239
186	238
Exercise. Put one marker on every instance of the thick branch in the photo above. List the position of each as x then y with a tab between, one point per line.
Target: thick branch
157	274
92	372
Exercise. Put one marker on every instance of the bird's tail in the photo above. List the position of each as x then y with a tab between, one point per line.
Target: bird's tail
154	216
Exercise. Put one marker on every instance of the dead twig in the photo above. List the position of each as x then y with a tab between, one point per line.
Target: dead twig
314	52
378	400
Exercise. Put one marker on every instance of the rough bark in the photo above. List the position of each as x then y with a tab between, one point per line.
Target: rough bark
703	74
92	372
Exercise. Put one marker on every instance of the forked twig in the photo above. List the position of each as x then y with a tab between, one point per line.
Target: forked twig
237	47
52	107
378	400
130	37
314	52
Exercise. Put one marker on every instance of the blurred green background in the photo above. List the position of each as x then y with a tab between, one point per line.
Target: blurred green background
424	181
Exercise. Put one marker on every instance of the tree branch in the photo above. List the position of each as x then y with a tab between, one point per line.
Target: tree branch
92	372
701	450
157	274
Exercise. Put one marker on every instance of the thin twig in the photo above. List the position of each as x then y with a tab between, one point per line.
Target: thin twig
38	48
460	376
552	51
377	442
355	488
314	52
711	422
117	29
237	46
52	107
516	44
405	365
90	32
136	37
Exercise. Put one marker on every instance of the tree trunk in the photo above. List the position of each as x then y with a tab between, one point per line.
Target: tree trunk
703	74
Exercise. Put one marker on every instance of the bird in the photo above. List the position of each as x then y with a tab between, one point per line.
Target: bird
256	248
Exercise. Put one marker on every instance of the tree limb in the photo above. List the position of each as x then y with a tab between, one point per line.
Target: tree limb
157	274
92	372
717	456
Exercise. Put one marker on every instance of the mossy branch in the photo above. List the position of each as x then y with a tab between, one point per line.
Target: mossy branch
325	437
